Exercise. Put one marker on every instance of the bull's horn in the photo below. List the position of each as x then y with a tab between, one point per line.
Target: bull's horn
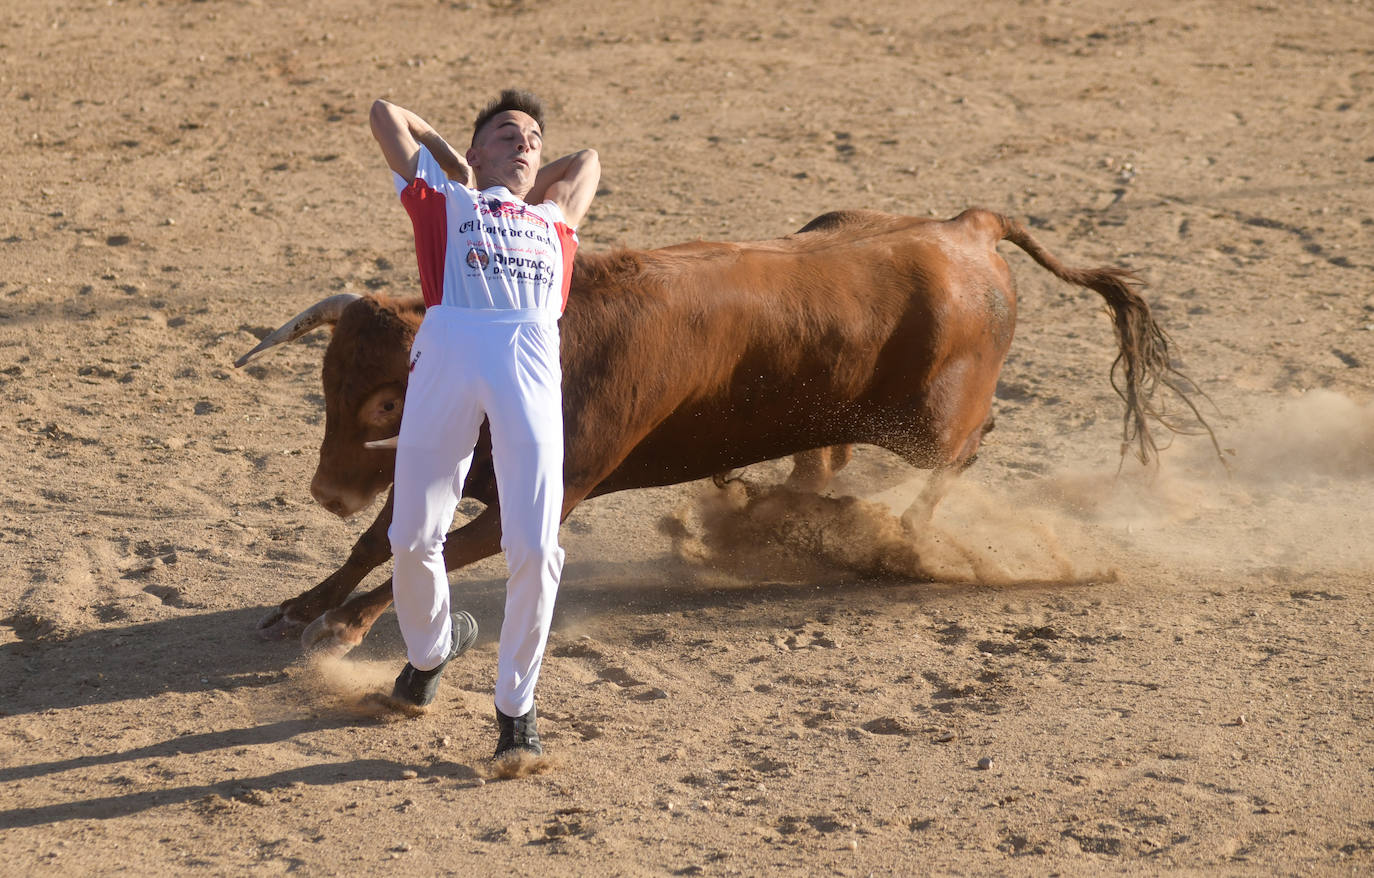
382	443
318	314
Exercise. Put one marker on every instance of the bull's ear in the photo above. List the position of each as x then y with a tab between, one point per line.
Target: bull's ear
325	311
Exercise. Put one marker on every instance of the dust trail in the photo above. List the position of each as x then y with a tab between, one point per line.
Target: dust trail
1322	433
364	688
1298	498
774	531
516	765
1299	495
359	687
744	521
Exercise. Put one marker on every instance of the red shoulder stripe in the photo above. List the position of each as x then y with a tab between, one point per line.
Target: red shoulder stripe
429	217
567	243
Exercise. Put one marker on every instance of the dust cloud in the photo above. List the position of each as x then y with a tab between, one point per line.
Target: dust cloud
1295	495
1321	434
361	687
748	529
517	765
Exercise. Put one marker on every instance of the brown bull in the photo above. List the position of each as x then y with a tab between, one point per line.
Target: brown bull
684	362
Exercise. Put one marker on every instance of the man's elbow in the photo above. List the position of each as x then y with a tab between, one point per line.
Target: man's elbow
381	117
589	165
585	160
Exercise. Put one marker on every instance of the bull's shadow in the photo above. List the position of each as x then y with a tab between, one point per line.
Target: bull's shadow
219	651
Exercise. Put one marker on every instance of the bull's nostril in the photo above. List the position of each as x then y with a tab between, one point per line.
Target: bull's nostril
330	502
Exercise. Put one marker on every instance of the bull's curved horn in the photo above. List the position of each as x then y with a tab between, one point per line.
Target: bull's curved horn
382	443
318	314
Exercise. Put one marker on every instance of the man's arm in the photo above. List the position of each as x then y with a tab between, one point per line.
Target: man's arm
401	133
569	182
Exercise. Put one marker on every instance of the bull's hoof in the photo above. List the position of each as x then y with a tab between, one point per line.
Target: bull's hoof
722	479
916	520
325	639
277	625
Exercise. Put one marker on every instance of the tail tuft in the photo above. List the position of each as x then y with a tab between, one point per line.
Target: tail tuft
1142	364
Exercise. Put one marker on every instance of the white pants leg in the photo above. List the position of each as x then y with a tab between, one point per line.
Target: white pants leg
439	428
527	450
509	372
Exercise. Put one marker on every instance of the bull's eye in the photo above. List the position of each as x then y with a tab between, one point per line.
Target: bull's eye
382	408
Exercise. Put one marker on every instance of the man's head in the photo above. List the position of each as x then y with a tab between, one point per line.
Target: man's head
507	141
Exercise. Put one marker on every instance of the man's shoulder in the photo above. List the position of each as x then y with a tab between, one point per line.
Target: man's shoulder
429	171
553	212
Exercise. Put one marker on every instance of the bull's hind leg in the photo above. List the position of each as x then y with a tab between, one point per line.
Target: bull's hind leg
922	509
812	470
369	552
942	477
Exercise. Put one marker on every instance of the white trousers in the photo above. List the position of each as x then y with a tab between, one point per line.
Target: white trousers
467	364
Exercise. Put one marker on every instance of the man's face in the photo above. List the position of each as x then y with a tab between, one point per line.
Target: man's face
506	151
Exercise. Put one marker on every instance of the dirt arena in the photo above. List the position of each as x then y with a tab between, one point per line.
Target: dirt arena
1166	671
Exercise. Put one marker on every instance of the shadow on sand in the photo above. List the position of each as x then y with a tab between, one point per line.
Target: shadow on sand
219	651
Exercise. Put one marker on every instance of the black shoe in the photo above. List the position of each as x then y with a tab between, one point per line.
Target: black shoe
518	733
420	687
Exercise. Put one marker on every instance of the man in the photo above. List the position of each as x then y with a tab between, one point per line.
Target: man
494	239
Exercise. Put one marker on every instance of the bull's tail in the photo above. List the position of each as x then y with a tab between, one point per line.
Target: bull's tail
1142	363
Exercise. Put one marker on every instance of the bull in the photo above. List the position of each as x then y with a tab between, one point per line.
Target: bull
687	361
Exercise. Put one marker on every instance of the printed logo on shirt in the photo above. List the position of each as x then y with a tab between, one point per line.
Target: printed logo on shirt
520	268
538	236
415	359
478	259
519	263
495	207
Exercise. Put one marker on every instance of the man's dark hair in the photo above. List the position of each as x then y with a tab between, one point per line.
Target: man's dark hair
511	99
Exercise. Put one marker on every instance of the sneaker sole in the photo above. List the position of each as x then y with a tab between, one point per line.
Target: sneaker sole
464	643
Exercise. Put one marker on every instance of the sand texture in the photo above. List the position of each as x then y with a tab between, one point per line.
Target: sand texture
1069	672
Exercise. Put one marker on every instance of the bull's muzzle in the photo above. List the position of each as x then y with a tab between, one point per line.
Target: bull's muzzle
337	502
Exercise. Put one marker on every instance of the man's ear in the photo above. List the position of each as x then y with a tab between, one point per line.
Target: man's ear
470	156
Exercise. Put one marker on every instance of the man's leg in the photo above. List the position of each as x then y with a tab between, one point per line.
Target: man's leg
527	449
425	502
433	454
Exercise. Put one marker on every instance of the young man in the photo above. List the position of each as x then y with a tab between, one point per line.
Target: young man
494	238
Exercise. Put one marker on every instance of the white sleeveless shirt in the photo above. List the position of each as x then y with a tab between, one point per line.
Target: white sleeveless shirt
486	249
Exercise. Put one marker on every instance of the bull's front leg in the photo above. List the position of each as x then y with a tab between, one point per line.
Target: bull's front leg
812	470
369	552
342	628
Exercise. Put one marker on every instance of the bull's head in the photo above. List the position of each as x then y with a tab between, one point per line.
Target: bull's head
365	372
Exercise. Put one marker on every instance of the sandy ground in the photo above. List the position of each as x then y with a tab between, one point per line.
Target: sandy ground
1168	671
